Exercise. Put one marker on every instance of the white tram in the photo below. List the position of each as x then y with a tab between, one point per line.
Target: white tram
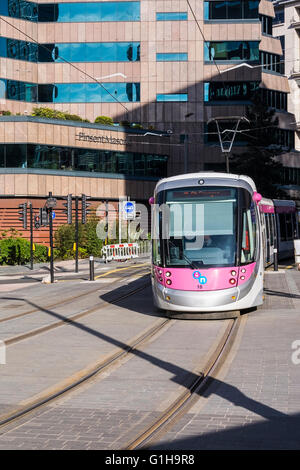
212	236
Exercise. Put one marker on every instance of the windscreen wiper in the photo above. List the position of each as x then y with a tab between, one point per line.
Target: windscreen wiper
188	260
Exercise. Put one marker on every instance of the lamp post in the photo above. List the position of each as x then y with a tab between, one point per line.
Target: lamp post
185	147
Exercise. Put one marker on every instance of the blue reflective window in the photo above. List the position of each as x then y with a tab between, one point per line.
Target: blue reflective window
20	50
172	56
82	159
231	50
172	97
72	52
19	9
92	52
70	92
231	10
20	91
85	12
230	91
172	16
91	92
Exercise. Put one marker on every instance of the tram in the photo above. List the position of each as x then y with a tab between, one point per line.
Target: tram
212	236
280	226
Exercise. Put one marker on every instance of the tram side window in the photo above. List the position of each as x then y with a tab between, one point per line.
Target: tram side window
286	227
271	229
282	227
248	235
289	226
156	253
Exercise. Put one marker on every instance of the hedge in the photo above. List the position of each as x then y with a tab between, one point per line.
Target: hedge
17	251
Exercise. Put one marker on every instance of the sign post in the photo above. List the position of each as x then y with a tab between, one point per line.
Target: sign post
31	236
50	204
76	233
128	211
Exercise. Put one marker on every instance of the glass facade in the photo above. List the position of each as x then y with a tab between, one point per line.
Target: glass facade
217	92
272	62
90	52
231	10
72	52
202	227
79	159
275	99
172	16
71	11
229	91
290	175
172	56
69	92
21	50
279	16
246	51
282	137
266	24
172	97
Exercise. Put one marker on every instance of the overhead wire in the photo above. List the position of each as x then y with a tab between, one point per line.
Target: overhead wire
67	62
122	104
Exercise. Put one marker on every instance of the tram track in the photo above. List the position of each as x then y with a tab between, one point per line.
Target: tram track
70	319
72	298
84	375
193	392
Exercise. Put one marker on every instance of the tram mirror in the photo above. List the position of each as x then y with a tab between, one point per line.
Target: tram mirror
256	197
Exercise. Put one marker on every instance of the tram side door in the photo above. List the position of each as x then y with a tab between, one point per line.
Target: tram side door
267	221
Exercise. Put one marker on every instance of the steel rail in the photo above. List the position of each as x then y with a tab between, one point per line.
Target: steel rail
69	299
84	375
193	391
70	319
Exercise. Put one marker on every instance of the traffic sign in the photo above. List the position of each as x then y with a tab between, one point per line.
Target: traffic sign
53	215
51	202
128	210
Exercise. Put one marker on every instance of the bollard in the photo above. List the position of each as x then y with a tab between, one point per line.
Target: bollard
275	259
92	271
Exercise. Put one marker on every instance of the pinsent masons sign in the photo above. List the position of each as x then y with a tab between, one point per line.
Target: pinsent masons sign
102	139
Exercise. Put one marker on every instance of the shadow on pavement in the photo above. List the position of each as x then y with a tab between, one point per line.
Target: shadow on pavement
274	433
281	294
276	430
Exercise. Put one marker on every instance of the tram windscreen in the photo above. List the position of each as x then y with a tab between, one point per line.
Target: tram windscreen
200	226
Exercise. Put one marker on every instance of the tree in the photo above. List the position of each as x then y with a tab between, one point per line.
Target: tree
259	159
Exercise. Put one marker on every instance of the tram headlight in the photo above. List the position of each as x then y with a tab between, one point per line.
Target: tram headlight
168	274
232	281
169	282
233	273
243	270
242	278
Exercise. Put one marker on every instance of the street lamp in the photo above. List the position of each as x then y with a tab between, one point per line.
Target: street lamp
185	142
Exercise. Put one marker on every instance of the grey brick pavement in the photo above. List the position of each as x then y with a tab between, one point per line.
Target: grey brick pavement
256	405
111	411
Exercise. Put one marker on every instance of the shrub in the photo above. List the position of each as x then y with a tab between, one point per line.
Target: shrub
88	242
17	251
49	113
105	120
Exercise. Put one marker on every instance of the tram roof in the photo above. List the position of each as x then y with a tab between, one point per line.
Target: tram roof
211	174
